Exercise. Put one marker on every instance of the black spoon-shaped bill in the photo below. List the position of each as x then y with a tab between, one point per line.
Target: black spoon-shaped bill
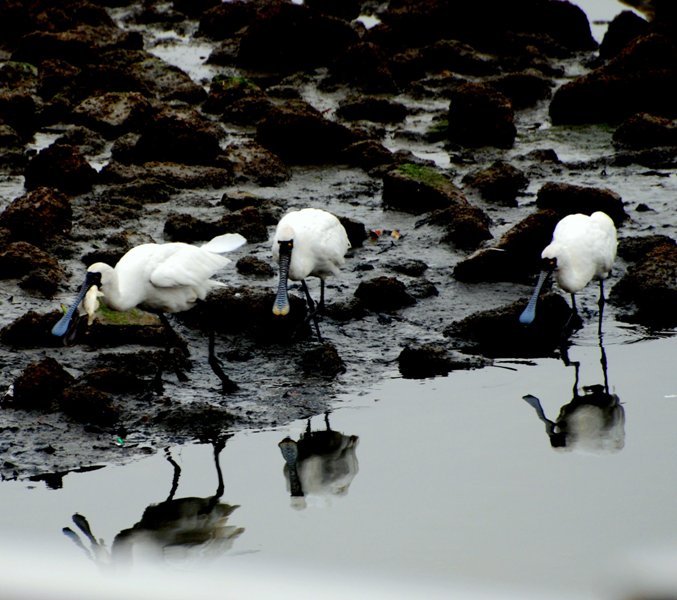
63	324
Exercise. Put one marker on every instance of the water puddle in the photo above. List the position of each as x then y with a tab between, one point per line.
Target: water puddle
458	479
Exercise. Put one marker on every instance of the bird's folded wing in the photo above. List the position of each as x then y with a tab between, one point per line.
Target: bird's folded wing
190	266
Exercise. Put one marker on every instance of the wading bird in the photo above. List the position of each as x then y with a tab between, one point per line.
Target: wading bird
307	242
161	278
582	248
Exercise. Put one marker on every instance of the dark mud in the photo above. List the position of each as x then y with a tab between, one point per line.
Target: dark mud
398	301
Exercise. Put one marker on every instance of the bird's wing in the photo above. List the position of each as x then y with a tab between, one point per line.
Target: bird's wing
224	243
186	265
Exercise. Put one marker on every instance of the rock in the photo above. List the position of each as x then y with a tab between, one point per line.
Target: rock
225	91
180	137
170	174
40	385
32	330
465	226
114	113
378	110
369	155
646	131
417	189
253	163
195	8
249	311
225	19
88	142
430	360
86	404
498	333
81	44
347	10
355	231
481	116
459	57
254	267
112	328
383	294
500	183
625	27
62	167
19	110
322	360
568	199
524	89
39	272
186	228
364	66
411	267
302	39
38	216
516	256
114	380
642	78
299	134
555	26
648	290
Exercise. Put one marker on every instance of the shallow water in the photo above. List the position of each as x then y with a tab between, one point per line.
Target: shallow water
452	478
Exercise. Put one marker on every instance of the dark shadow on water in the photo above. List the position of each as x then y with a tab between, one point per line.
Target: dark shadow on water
319	463
172	531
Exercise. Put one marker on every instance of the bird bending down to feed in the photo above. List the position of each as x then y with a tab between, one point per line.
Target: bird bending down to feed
582	248
307	242
161	278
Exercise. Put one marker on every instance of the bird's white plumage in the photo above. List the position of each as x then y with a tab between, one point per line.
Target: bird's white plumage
167	277
585	249
320	243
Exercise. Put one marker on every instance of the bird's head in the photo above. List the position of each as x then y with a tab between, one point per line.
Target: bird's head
549	263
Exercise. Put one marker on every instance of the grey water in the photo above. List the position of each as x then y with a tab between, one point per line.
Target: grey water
452	480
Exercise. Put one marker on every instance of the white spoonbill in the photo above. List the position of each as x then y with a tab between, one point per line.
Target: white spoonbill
583	248
161	278
310	241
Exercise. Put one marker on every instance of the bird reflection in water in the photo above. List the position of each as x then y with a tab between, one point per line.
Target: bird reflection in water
320	464
177	530
593	421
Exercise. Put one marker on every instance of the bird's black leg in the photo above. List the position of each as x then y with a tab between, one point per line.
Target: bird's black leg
228	386
312	310
600	303
320	308
173	341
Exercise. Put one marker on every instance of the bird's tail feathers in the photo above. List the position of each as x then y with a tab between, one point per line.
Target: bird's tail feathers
224	243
